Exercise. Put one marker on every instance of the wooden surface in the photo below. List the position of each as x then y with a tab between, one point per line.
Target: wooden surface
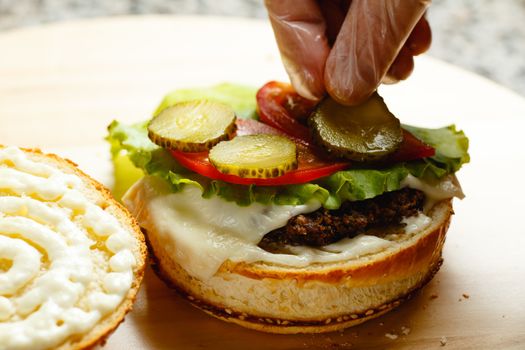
61	85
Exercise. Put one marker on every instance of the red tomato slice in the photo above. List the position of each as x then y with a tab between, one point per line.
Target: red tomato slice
281	107
311	165
411	149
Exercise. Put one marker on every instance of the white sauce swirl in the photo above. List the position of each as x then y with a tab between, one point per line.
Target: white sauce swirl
63	270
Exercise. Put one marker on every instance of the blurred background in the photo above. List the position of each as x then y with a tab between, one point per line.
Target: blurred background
484	36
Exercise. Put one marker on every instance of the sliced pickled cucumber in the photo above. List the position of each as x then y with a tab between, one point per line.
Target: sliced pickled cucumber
367	132
192	126
255	156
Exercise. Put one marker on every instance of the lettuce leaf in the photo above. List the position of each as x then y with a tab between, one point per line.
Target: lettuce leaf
241	98
134	155
451	151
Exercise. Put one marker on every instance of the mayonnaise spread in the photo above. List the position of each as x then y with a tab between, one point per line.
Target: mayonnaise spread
201	234
66	261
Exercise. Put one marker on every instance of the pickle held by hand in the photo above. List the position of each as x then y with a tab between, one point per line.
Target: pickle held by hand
365	132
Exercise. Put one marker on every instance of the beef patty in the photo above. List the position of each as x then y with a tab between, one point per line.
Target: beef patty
323	226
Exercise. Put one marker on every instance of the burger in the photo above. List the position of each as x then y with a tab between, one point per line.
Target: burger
278	214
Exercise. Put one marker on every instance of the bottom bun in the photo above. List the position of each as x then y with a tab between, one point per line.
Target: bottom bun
322	297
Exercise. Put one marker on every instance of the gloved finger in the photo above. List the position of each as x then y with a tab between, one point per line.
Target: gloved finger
300	34
420	38
370	39
417	43
334	13
401	68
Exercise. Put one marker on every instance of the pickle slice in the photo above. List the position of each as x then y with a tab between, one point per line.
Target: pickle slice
367	132
255	156
192	126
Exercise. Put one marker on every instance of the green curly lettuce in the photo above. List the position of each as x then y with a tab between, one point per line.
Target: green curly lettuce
241	98
451	151
135	155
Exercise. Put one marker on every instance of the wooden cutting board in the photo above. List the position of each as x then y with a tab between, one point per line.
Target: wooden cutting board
60	85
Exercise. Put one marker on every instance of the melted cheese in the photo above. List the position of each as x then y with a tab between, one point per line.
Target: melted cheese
62	278
201	234
447	187
416	223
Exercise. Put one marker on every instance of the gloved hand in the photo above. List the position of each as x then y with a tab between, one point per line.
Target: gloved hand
348	47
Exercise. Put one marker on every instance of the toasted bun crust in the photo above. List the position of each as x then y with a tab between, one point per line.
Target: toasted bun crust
322	297
97	193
